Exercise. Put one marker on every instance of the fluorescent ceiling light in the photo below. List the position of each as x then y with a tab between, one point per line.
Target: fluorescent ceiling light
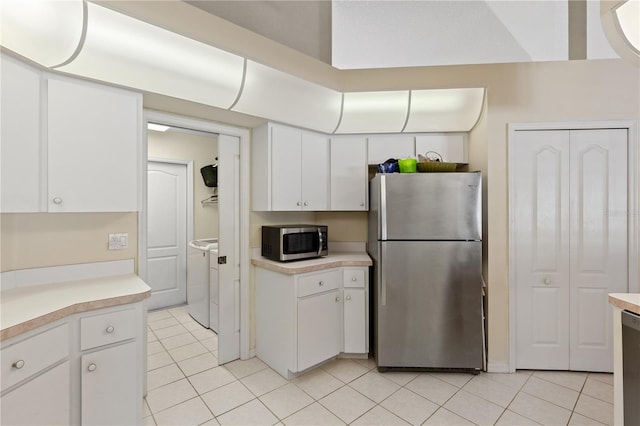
282	97
123	50
374	112
444	110
628	15
47	32
157	127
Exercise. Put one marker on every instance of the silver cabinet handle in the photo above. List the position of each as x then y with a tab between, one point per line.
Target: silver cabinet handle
306	204
354	278
298	203
57	200
91	367
348	298
321	283
110	329
18	364
337	298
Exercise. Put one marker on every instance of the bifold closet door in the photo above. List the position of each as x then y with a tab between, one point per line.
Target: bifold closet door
598	255
570	245
541	223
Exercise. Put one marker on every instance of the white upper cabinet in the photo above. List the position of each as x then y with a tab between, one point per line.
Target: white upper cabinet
93	147
349	184
384	147
67	145
452	147
20	142
289	169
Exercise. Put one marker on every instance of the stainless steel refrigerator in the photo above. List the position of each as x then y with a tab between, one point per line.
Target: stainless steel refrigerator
425	239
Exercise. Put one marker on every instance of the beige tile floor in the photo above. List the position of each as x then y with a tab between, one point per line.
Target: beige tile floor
186	386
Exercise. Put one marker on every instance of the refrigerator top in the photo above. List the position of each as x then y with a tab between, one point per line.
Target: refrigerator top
426	206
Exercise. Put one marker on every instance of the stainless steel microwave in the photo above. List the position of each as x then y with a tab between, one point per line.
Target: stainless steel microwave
294	242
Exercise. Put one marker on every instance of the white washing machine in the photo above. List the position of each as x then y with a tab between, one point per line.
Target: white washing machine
201	254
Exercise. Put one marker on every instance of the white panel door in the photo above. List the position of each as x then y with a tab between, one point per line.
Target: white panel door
541	172
167	233
20	150
286	182
93	138
570	245
314	171
349	174
598	242
228	249
109	390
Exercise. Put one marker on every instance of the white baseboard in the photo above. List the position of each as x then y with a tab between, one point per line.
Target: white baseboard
56	274
498	367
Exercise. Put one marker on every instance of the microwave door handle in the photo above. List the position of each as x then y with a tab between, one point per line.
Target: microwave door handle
320	241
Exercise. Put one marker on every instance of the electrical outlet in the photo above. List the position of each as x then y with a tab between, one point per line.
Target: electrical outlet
118	241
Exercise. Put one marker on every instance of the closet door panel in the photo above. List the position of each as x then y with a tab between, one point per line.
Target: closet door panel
598	242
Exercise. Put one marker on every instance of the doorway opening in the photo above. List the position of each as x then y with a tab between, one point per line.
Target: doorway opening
219	212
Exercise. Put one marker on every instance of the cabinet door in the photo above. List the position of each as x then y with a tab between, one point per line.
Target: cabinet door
110	392
381	148
355	321
93	135
286	182
349	184
452	147
45	400
319	328
20	137
314	174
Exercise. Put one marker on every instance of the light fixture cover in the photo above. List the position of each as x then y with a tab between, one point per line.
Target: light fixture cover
444	110
123	50
628	15
374	112
282	97
157	127
47	32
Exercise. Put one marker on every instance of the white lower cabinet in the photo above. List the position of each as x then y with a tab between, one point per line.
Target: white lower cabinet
87	369
109	391
319	320
304	319
44	400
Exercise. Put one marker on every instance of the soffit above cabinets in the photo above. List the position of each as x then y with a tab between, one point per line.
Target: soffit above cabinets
116	48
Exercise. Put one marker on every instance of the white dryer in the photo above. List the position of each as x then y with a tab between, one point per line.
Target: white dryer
201	254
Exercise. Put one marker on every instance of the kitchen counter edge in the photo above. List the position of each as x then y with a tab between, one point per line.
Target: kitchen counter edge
27	308
626	301
333	260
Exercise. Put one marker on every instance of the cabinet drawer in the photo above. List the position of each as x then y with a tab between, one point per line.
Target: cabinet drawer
354	278
103	329
23	359
318	283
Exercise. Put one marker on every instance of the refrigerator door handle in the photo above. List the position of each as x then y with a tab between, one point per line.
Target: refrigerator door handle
383	207
383	280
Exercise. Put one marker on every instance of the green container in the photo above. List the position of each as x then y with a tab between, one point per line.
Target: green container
407	165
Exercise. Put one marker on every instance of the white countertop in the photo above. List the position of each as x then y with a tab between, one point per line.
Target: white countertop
628	301
333	260
23	309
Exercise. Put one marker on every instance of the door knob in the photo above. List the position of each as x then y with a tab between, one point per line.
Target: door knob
306	204
91	367
18	364
298	203
57	200
348	298
110	329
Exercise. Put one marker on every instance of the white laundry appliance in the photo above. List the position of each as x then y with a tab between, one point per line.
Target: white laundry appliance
202	282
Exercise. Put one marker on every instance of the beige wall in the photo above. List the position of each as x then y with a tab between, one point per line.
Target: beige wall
202	149
34	240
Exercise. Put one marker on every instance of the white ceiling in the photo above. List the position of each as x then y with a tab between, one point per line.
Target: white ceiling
351	34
